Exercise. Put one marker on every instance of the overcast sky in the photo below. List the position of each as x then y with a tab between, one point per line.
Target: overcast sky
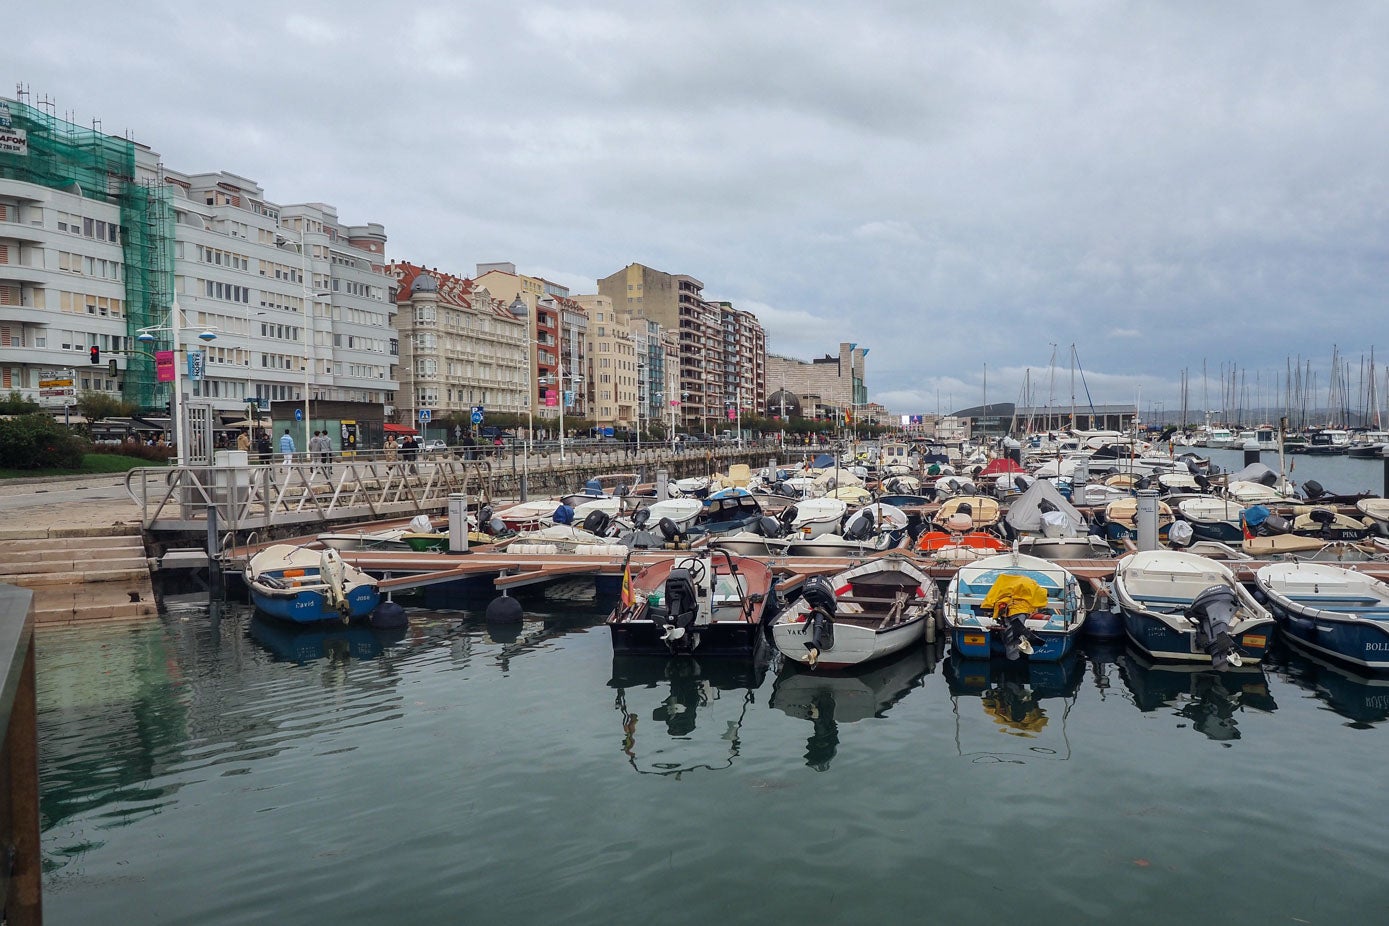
959	187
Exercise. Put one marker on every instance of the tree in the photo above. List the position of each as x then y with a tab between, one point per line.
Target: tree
16	404
95	406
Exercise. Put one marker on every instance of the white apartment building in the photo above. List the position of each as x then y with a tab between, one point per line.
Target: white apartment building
98	239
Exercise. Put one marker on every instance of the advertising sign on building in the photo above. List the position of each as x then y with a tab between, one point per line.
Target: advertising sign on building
164	366
14	141
5	122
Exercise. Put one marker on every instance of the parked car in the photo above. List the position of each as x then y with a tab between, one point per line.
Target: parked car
434	444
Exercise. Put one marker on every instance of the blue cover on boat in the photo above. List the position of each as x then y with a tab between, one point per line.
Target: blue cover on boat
563	515
1254	515
823	461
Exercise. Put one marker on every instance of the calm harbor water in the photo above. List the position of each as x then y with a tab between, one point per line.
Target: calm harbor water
212	768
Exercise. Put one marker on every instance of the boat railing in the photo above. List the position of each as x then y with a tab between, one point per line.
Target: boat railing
21	877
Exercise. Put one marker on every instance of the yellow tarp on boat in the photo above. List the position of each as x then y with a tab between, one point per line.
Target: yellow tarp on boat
1012	595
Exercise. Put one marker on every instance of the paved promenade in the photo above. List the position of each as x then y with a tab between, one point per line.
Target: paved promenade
64	503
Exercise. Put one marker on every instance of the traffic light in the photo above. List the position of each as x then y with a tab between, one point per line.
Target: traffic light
95	353
111	367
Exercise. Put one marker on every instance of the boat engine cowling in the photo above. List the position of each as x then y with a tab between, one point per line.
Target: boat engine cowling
767	526
669	530
1313	489
1213	612
1018	639
682	608
819	630
859	526
596	522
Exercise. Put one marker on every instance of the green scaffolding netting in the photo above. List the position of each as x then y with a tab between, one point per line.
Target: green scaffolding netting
67	157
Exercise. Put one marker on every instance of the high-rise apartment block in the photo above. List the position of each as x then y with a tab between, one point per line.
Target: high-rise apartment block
722	349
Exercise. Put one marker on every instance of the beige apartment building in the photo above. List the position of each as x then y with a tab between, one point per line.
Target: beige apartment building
460	346
613	381
558	333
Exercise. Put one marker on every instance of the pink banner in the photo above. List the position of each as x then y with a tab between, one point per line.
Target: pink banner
164	366
551	399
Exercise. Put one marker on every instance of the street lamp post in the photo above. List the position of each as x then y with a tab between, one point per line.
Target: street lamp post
146	335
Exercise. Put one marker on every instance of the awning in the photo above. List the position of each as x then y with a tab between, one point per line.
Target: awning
398	429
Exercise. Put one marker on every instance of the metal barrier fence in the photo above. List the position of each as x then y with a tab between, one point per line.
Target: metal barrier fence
21	882
264	495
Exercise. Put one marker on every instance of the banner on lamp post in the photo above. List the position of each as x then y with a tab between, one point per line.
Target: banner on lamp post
551	399
164	366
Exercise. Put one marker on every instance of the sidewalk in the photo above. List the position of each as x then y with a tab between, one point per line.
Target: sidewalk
45	505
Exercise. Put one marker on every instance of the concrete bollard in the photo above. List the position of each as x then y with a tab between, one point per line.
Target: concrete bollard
662	484
1079	477
458	522
1145	520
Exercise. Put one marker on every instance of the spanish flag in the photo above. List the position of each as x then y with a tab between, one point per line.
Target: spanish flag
627	598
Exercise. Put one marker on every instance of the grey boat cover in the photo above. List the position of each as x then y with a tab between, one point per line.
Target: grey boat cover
1254	472
1025	511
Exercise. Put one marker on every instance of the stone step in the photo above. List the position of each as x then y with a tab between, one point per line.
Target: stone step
81	577
97	534
84	565
45	544
66	604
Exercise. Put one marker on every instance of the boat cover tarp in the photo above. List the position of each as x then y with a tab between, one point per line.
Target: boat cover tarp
1014	594
999	467
1025	512
1254	472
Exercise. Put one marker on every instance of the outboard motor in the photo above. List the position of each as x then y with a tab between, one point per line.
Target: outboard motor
767	526
669	530
1213	611
1017	638
496	526
640	517
1020	483
860	526
682	608
1323	517
788	515
819	629
965	508
484	514
1313	489
596	522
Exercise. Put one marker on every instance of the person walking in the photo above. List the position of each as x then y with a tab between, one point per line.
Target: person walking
287	447
409	450
243	441
392	448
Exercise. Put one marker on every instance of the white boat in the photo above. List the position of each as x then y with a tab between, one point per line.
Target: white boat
1050	527
682	511
1181	606
1332	611
864	613
1213	518
1376	509
530	515
817	516
564	539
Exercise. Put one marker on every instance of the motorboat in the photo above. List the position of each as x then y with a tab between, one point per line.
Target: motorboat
872	528
682	512
529	515
1121	521
1013	605
817	516
707	604
1377	510
1328	442
1180	606
1330	610
764	536
1212	518
304	585
867	612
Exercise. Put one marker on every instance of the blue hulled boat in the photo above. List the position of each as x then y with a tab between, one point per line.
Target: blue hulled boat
306	586
1013	605
1186	607
1330	610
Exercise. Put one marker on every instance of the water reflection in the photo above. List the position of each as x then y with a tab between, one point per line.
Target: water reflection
829	699
1013	697
696	710
1209	700
332	641
1103	657
1361	699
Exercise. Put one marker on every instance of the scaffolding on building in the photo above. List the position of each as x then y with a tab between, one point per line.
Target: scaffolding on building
61	155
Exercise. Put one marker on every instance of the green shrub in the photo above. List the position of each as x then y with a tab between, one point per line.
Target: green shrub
36	441
16	404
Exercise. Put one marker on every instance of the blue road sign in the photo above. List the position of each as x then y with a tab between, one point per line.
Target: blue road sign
425	414
298	414
477	414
